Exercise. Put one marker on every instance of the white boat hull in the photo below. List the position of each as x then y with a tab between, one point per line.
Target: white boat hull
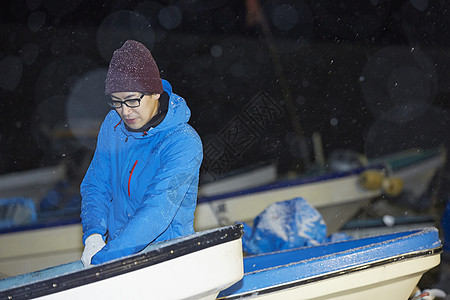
391	282
198	266
31	250
189	277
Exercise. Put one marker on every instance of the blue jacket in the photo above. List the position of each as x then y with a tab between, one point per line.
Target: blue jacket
141	187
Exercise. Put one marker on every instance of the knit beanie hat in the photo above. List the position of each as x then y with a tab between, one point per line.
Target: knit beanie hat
133	69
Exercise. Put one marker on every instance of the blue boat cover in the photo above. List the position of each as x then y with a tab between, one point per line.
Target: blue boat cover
286	225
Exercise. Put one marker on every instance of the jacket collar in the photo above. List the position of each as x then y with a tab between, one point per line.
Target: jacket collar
158	118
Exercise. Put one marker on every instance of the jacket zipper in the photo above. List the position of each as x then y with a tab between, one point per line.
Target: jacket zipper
129	179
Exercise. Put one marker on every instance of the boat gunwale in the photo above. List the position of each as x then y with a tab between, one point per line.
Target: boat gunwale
334	274
169	250
382	240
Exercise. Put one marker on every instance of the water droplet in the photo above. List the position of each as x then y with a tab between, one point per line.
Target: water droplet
170	17
10	72
29	53
420	5
36	20
33	4
285	17
216	51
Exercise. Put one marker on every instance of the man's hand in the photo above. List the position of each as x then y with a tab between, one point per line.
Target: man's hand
93	244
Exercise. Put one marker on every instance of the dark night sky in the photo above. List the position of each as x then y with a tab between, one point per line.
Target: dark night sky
371	76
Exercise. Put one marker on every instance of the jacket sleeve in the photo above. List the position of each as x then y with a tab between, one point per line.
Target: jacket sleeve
162	200
95	190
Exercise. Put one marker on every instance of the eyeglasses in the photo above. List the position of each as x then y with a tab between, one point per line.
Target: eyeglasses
132	103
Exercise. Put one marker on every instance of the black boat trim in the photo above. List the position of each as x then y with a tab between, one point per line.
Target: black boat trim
401	257
93	274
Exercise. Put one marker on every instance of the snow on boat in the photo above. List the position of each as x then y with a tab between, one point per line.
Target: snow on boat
378	267
198	266
336	195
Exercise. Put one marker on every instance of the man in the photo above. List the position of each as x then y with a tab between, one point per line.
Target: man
141	186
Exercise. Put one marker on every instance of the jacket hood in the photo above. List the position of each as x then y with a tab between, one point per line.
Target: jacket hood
177	113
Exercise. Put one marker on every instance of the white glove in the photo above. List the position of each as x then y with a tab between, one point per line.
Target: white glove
92	245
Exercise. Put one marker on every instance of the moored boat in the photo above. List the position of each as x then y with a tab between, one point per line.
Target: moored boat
31	184
336	195
192	267
37	246
385	266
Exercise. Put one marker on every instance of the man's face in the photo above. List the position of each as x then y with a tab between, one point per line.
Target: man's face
136	117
